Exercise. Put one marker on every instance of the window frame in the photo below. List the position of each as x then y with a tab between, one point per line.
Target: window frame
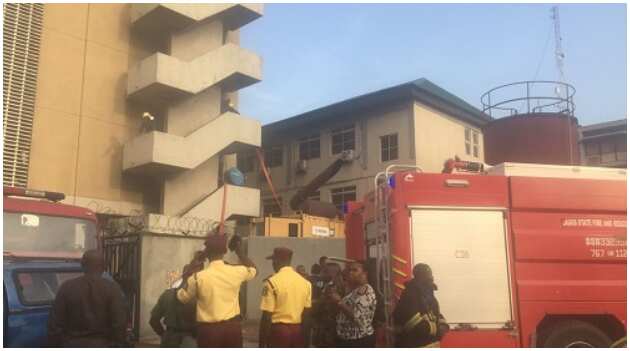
471	142
273	160
389	148
343	191
19	288
308	143
344	132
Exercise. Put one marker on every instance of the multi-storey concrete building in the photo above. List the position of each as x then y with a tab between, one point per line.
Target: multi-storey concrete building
78	79
129	109
604	144
417	123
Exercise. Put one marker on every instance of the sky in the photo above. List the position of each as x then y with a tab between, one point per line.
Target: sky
319	54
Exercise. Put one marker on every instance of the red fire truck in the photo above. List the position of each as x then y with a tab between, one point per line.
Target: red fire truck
37	225
43	241
524	255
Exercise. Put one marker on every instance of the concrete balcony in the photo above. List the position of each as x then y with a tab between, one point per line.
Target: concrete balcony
152	18
161	77
157	153
241	201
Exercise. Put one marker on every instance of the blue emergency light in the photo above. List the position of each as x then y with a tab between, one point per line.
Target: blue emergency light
391	181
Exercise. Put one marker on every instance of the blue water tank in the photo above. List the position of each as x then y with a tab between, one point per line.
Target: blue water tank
235	177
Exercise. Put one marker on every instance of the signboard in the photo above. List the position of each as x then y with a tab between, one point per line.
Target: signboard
321	231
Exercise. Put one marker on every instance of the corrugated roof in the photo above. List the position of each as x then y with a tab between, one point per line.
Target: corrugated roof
604	125
422	90
603	130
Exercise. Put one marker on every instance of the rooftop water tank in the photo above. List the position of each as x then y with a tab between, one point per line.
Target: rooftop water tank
534	123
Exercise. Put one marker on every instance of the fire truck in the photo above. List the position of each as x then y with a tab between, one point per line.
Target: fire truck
524	255
43	242
36	224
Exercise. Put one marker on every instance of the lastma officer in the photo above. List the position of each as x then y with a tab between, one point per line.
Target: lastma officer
286	304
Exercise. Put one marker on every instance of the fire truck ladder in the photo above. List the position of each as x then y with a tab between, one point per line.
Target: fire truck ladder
383	244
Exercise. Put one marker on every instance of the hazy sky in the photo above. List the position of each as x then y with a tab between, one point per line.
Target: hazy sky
318	54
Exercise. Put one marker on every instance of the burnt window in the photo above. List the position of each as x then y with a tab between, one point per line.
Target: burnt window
340	196
273	156
389	147
342	139
309	147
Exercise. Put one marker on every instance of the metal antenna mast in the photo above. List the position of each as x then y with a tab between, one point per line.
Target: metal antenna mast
555	15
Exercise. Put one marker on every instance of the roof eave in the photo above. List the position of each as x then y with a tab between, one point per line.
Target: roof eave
399	93
436	102
353	105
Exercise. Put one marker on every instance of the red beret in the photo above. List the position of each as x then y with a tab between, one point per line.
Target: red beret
281	253
216	244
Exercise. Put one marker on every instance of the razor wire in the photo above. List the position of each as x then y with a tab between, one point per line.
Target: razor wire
118	223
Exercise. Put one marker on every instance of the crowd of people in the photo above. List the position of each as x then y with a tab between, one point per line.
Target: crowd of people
333	306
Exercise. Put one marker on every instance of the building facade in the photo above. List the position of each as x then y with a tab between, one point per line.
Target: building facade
417	123
80	77
131	110
604	144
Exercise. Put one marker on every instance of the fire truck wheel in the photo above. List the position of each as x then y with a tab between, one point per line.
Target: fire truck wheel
574	333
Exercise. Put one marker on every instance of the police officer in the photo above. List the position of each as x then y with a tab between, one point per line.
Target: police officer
286	303
417	316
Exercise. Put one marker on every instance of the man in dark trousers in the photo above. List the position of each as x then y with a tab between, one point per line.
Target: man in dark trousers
216	290
324	310
417	316
89	311
285	304
178	318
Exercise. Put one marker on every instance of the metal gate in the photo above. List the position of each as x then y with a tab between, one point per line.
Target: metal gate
122	260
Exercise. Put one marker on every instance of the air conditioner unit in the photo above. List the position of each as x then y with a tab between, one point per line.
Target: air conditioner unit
301	166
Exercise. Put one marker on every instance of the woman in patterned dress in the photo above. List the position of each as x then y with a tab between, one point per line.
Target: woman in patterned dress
356	310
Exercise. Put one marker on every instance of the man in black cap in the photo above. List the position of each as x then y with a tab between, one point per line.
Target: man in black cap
286	301
417	314
89	311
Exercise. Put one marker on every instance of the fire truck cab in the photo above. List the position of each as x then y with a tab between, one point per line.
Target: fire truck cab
36	223
43	242
524	255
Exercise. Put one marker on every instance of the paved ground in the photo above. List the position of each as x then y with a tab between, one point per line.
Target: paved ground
250	336
250	333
